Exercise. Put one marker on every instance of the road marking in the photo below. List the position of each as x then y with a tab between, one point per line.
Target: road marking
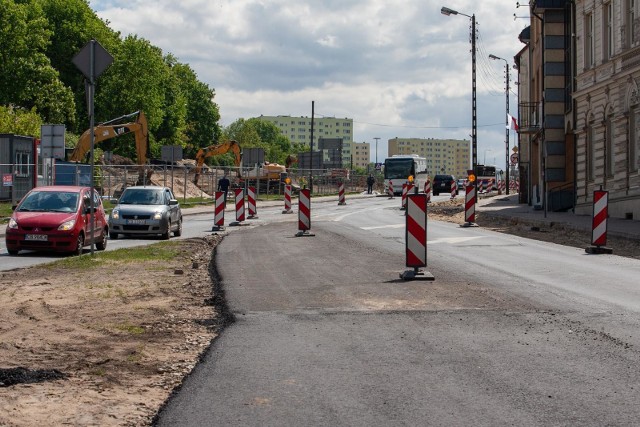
384	226
453	240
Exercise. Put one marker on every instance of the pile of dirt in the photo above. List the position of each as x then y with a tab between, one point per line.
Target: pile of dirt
105	345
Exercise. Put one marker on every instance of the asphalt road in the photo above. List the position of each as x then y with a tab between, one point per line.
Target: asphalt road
511	332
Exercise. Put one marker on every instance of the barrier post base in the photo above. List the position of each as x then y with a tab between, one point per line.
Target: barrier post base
287	211
237	223
469	224
217	228
416	274
304	233
598	250
342	203
252	217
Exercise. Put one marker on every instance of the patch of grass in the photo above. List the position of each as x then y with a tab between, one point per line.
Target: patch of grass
5	212
163	251
129	328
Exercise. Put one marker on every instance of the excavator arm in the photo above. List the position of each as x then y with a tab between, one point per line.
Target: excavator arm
114	128
216	150
291	159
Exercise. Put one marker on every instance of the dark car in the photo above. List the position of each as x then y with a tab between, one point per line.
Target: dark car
57	219
442	184
146	210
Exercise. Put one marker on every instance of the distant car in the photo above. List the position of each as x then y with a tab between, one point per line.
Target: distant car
57	219
146	210
442	184
461	183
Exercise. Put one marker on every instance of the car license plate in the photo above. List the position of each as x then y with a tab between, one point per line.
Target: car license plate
37	237
137	221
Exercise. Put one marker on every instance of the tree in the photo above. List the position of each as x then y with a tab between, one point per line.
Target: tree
73	24
27	78
19	121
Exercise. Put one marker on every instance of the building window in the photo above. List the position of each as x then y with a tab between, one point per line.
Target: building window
607	33
609	147
588	41
23	159
628	23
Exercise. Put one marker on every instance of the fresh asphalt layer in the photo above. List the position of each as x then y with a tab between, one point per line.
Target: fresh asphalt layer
325	334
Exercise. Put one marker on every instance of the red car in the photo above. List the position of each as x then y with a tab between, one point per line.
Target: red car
57	218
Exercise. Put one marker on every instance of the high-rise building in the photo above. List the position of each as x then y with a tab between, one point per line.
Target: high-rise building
361	154
450	156
298	130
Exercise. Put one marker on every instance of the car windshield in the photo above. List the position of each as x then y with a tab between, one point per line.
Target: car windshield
142	196
443	178
49	201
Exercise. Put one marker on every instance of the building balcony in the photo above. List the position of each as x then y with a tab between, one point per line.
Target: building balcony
530	117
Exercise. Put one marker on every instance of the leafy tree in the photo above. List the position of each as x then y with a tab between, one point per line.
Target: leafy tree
19	121
136	80
74	24
202	113
27	78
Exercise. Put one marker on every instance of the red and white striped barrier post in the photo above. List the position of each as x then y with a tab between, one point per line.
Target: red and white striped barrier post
251	203
304	213
599	223
218	216
390	189
287	199
416	238
454	187
470	206
239	192
427	189
403	201
341	198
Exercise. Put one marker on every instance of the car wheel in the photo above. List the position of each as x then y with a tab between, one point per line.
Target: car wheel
101	244
166	234
79	245
178	231
113	236
13	251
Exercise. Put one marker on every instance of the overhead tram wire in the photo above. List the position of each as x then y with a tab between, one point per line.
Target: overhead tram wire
487	71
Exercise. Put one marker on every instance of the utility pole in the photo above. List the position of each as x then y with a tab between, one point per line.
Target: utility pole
313	103
508	125
376	138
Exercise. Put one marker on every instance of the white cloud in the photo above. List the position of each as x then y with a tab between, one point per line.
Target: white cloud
398	68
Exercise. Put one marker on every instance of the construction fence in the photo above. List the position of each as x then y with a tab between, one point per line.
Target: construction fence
111	180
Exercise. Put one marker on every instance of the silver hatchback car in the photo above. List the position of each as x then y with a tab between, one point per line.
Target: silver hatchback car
146	210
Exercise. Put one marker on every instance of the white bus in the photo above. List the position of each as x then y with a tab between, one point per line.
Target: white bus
399	167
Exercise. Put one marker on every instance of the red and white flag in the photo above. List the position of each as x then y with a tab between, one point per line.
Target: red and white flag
513	123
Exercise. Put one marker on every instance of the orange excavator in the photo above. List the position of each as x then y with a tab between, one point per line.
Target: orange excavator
135	123
216	150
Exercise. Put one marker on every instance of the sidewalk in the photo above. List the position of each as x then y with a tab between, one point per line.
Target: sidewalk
508	206
504	206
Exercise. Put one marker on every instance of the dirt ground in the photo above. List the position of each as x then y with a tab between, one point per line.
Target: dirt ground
108	345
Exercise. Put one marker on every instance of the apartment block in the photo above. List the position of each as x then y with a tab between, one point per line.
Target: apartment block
298	130
450	156
361	154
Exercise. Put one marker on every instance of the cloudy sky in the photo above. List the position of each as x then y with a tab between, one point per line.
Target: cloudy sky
397	68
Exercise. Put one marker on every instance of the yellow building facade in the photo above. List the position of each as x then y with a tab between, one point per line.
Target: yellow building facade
448	156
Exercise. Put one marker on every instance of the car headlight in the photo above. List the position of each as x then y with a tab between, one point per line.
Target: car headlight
68	225
115	214
13	224
157	215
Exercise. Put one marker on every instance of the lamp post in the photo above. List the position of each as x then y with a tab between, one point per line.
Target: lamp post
376	138
474	116
506	140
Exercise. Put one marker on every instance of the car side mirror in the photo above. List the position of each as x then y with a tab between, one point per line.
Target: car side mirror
173	202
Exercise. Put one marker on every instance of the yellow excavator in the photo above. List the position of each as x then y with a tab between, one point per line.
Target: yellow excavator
216	150
135	123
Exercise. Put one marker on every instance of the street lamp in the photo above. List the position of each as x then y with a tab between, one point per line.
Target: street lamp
474	116
376	138
506	118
